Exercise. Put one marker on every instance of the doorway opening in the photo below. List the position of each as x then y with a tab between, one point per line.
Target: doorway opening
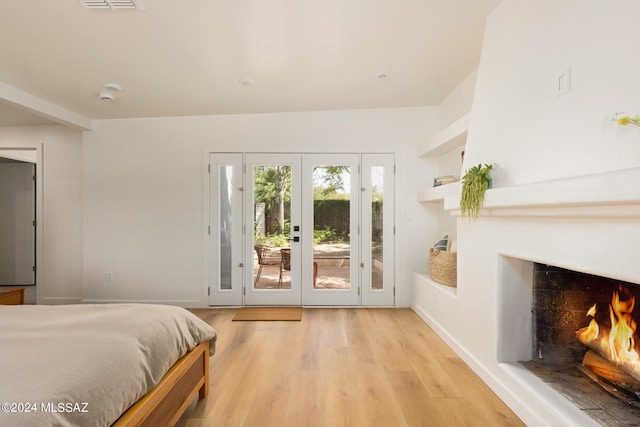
18	224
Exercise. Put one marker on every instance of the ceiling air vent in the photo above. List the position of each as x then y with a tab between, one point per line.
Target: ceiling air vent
111	4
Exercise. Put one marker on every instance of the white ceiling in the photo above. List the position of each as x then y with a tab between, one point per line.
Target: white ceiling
188	57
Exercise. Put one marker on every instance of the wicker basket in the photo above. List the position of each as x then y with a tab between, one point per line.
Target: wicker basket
443	266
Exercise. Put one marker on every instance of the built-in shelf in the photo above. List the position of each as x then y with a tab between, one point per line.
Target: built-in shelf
612	194
423	279
437	194
448	139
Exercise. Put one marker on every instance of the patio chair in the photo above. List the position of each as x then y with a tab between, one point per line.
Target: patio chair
285	265
265	259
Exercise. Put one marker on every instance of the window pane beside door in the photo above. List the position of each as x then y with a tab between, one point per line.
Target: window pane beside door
331	227
225	228
226	236
377	227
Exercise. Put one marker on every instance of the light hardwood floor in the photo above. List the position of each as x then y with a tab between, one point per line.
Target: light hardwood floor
340	367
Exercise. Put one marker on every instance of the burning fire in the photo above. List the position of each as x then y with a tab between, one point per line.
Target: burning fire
618	343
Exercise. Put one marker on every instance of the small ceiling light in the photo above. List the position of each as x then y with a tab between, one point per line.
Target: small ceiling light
113	87
111	4
382	75
247	82
106	97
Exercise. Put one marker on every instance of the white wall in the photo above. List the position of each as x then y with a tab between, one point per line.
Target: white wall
531	135
458	102
144	186
520	124
59	274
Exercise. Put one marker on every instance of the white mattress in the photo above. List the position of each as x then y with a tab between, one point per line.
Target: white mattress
85	365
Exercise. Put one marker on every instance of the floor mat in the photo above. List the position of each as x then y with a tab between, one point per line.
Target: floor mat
269	313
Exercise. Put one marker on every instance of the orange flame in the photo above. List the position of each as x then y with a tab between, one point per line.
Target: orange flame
618	343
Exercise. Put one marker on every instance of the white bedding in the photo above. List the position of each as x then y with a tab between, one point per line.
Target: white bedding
94	360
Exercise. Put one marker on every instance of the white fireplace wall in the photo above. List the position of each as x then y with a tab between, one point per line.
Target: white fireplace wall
519	122
532	135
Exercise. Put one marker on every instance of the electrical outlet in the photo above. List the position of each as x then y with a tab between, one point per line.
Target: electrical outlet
108	276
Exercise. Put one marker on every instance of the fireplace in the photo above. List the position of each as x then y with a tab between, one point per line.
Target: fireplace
584	342
589	224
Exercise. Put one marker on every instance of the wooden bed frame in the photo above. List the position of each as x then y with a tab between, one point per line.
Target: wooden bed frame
165	404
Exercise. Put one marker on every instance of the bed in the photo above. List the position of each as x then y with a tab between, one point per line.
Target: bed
101	364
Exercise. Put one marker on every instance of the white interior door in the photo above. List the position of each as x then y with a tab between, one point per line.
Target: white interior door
378	230
330	225
273	229
225	229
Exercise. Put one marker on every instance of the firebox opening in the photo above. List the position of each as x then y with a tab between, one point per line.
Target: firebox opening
584	342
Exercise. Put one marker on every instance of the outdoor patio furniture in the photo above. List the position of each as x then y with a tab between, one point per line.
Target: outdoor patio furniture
285	265
264	258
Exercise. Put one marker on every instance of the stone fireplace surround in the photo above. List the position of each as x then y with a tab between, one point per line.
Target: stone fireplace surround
589	224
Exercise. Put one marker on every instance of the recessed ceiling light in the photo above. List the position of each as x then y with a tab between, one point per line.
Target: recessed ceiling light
113	87
111	4
106	97
382	74
247	82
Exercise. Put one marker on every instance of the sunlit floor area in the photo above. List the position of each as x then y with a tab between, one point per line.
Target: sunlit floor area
340	367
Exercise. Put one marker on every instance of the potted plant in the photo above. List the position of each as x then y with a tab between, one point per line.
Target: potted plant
475	182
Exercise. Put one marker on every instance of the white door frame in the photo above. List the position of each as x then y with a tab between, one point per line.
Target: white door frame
310	295
370	295
293	295
27	153
302	291
225	281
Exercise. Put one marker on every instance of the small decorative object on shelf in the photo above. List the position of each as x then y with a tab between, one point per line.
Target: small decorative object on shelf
624	119
475	182
442	180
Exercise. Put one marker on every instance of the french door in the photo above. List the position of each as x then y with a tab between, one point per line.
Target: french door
330	208
273	230
301	229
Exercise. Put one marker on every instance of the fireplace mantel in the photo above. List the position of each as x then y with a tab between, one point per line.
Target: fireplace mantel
607	194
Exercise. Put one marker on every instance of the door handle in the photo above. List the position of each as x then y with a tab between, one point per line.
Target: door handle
295	239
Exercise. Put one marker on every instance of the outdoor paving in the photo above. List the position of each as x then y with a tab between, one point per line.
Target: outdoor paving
333	269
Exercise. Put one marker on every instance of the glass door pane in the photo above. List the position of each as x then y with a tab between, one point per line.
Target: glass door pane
332	226
376	252
272	202
272	221
330	215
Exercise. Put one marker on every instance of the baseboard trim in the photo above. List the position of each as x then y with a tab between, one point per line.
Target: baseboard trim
59	301
557	409
517	405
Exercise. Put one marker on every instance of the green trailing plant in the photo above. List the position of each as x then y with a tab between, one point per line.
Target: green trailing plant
475	182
